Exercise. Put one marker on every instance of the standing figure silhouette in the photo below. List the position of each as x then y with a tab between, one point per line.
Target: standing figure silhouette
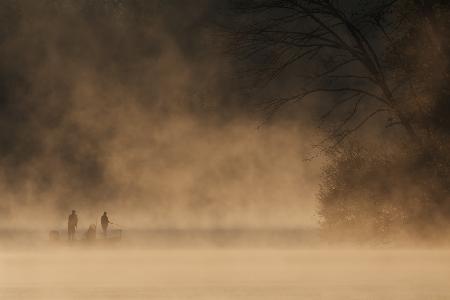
72	225
105	222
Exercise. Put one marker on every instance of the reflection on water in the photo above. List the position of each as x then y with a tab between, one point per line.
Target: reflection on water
224	274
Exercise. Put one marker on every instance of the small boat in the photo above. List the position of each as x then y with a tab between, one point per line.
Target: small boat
90	237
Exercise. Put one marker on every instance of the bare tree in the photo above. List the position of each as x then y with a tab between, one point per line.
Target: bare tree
341	45
364	59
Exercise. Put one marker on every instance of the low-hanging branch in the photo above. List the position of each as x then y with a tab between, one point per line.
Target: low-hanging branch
313	32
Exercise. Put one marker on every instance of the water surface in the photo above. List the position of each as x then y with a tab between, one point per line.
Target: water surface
211	274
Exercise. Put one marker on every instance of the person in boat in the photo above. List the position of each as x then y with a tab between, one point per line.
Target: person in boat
72	225
91	232
105	222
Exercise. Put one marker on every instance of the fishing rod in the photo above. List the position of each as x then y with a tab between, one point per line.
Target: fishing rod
120	228
116	224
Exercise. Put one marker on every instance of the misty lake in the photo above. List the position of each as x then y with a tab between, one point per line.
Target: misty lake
232	273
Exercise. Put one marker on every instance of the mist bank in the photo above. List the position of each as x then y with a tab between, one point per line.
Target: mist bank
238	274
115	109
184	174
299	239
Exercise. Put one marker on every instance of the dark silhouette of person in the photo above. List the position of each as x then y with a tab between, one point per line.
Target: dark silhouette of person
72	225
105	222
91	232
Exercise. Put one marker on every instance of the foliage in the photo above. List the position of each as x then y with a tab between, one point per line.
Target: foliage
366	59
367	196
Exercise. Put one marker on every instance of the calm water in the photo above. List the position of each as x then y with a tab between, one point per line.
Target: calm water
224	274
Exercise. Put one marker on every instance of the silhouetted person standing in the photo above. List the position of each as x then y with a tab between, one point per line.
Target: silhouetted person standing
72	225
105	222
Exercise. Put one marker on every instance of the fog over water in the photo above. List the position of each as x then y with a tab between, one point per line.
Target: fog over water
115	109
225	274
218	264
137	108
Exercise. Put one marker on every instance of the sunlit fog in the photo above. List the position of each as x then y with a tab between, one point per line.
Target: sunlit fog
235	149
